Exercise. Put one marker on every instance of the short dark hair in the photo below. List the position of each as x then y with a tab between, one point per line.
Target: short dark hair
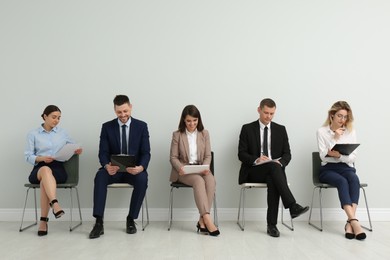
190	110
120	100
50	109
267	102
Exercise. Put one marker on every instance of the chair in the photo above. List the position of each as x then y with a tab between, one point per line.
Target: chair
241	205
127	186
178	185
316	163
72	168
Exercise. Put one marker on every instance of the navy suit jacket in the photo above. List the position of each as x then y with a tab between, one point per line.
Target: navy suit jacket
138	145
249	146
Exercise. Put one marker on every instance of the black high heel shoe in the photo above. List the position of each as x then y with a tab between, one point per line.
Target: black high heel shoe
359	236
347	234
59	213
212	233
43	232
201	229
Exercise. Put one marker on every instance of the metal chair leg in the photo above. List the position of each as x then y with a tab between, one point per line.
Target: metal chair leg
368	211
215	210
147	213
311	208
291	226
170	209
71	228
241	206
24	209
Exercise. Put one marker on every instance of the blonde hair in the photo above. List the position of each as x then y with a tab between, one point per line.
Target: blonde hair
340	105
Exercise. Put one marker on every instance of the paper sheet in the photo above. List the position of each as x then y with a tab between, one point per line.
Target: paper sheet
66	152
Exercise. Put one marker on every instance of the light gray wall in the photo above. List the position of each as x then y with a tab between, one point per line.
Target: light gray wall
223	56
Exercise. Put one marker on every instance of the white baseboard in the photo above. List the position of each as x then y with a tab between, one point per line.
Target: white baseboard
191	214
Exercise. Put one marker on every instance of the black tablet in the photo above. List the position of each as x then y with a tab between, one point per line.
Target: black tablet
345	149
123	161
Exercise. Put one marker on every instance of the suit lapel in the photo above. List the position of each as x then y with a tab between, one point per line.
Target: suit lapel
184	140
256	125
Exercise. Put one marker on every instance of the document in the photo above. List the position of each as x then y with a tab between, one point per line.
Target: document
188	169
66	152
263	162
123	161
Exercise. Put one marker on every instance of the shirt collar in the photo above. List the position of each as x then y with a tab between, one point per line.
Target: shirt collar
193	133
42	130
127	123
262	126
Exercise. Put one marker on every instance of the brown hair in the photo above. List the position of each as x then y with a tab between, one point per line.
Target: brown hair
49	109
190	110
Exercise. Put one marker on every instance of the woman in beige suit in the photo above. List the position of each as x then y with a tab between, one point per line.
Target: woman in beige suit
191	145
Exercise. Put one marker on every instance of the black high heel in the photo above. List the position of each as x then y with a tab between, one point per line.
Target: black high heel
201	229
43	232
213	233
359	236
347	234
59	213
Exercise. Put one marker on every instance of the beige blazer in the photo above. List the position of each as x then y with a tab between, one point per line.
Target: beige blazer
179	154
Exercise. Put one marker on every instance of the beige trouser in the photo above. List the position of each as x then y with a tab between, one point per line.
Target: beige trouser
204	189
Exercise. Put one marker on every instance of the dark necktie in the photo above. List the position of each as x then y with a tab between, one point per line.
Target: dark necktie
124	142
265	141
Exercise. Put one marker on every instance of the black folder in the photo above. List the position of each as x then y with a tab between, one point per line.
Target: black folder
345	149
123	161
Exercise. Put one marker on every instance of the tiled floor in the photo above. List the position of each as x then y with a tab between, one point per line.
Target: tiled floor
182	242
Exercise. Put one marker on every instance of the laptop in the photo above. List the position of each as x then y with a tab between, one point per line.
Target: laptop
123	161
345	149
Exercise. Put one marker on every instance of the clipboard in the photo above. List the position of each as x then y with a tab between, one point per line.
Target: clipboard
345	149
123	161
189	169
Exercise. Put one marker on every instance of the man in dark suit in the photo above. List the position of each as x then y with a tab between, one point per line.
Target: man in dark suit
123	135
264	152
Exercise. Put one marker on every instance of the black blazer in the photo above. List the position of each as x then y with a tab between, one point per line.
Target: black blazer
249	146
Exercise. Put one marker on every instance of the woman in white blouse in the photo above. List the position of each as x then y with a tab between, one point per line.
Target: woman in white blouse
191	145
337	169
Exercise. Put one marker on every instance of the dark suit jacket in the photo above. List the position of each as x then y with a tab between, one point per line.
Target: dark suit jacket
249	146
139	144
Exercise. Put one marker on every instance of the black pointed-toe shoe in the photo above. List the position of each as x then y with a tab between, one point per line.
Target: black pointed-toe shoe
273	231
97	231
296	210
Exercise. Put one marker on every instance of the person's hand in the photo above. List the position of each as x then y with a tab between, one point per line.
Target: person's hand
262	158
339	132
135	170
334	154
205	172
46	159
111	169
181	171
78	151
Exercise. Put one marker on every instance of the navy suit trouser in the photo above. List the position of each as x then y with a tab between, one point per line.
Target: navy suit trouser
103	179
344	178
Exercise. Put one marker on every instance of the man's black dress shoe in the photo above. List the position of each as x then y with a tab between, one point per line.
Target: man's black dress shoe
130	227
297	210
273	231
97	230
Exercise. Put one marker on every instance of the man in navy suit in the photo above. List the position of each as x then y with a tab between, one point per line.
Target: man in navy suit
264	152
122	135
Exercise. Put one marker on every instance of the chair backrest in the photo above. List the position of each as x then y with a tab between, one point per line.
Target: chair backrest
72	169
316	164
212	163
